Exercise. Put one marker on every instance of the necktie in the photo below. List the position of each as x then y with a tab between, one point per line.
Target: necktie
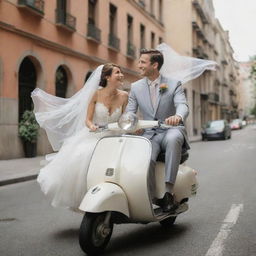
152	89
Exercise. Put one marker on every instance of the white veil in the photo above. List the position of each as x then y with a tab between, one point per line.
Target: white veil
182	68
63	117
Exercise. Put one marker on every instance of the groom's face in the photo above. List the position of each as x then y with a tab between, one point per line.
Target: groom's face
145	67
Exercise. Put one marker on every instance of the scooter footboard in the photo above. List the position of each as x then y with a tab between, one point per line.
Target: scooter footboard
105	197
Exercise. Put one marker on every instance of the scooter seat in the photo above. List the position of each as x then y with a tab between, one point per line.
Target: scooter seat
184	156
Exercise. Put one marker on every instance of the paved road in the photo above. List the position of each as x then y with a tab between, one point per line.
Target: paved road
221	219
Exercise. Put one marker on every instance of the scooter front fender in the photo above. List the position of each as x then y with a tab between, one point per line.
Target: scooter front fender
105	197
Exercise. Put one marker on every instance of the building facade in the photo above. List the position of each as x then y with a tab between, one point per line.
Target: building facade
54	44
199	34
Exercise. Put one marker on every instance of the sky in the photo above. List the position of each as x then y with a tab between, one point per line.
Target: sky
239	18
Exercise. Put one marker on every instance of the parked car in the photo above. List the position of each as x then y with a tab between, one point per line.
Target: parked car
236	124
217	129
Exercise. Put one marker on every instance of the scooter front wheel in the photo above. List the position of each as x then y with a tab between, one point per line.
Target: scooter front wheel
95	232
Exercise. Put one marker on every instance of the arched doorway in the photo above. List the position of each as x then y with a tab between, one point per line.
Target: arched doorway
27	83
61	82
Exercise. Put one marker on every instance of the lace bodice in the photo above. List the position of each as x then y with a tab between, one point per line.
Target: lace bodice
102	115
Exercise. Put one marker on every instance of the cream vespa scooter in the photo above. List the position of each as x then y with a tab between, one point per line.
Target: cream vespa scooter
119	186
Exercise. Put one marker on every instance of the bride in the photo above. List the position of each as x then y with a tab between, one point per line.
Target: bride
99	102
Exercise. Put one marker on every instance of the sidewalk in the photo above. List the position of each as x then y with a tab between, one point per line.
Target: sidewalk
18	170
23	169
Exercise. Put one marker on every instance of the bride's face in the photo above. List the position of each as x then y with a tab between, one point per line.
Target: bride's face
116	77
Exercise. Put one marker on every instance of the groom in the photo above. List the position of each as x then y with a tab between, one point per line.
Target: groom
163	99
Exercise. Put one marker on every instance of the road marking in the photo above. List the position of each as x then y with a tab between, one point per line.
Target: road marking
217	246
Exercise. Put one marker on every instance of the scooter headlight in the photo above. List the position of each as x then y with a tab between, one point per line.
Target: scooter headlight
128	121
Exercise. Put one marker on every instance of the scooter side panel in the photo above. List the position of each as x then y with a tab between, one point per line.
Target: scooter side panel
124	161
185	185
105	197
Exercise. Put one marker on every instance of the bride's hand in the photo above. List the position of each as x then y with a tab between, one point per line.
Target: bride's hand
93	127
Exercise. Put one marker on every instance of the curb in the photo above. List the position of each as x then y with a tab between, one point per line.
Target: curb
17	180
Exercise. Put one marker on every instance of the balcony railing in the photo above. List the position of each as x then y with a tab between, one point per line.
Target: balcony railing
200	11
131	50
113	41
93	32
199	52
36	6
234	103
65	19
213	97
142	3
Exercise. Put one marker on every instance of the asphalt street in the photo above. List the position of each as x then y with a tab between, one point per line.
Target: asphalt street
221	219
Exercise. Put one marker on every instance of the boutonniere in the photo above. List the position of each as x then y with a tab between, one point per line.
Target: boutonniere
163	88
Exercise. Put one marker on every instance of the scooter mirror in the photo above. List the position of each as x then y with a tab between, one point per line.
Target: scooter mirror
128	121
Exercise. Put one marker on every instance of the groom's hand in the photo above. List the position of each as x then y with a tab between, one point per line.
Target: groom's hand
173	120
139	132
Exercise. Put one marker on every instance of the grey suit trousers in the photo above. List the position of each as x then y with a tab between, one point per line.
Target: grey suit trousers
169	141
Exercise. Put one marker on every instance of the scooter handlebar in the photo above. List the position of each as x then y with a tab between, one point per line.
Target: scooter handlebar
142	124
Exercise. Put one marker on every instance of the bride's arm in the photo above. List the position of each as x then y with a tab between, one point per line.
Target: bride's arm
125	101
90	112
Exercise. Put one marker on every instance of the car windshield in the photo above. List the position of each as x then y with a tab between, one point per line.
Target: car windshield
215	124
236	121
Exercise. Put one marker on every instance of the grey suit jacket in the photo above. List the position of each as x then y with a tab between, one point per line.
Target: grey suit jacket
170	102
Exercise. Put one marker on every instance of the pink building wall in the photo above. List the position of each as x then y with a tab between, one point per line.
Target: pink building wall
25	34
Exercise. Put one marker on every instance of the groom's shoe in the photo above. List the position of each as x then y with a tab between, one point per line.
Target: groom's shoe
168	204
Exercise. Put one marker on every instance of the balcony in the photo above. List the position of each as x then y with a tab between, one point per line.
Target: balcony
234	103
93	33
199	52
213	97
224	62
65	20
200	11
34	6
204	96
131	50
142	3
225	82
113	42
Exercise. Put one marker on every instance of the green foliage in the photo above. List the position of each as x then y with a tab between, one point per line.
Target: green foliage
253	111
28	127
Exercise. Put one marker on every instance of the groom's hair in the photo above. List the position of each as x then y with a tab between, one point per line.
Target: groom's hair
155	56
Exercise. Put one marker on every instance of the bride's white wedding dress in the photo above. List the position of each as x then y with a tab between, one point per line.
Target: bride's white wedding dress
63	179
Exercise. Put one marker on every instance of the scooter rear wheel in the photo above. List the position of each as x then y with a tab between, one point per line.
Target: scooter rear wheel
168	222
94	234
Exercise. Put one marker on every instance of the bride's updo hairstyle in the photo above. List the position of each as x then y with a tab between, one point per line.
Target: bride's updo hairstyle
106	71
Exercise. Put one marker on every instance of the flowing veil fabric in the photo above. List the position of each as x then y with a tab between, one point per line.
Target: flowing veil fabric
182	68
63	117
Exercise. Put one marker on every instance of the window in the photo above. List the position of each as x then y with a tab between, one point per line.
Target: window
61	82
142	36
160	40
130	47
129	29
152	11
112	19
92	12
152	40
160	15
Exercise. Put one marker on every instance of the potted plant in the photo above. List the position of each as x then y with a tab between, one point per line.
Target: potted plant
28	132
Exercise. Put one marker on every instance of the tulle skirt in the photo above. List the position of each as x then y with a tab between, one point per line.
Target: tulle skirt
63	179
